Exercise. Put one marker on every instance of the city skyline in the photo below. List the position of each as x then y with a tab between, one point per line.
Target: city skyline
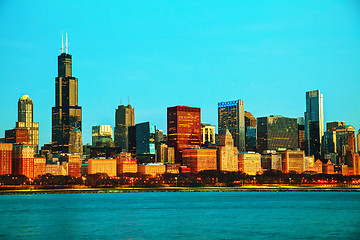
215	72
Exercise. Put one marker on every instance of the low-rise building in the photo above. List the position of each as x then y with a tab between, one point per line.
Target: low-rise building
107	166
293	161
125	164
39	166
199	159
152	169
250	163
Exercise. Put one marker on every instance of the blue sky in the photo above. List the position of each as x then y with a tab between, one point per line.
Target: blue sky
195	53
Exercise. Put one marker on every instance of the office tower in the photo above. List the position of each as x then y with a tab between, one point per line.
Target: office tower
250	163
159	137
16	135
199	159
183	128
207	134
26	120
314	123
345	139
145	142
331	126
231	116
102	135
293	161
358	141
132	140
227	154
75	143
301	133
66	115
23	160
5	158
277	132
329	142
124	118
250	132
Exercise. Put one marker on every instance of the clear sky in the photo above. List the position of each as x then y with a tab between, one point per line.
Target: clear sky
195	53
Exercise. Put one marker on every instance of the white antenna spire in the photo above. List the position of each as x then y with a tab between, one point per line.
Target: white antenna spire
66	44
62	41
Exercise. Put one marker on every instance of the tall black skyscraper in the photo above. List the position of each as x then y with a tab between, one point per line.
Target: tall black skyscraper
66	115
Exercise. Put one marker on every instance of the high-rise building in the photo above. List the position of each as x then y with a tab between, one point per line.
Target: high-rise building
66	115
301	133
331	126
358	141
183	128
16	135
227	154
145	142
26	120
75	143
231	116
277	132
5	158
124	118
207	134
314	123
23	160
250	132
102	135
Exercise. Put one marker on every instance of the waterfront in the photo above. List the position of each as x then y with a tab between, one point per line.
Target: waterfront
182	215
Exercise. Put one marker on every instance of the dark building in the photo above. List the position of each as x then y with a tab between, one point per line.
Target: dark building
124	118
132	140
183	128
277	132
16	136
145	142
250	132
66	115
231	116
301	133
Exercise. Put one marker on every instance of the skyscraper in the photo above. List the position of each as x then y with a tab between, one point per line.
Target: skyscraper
124	118
75	143
26	120
314	123
231	116
66	115
183	128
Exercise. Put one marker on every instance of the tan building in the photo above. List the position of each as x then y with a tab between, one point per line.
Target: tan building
107	166
152	169
358	142
165	154
271	160
125	164
318	166
227	154
39	166
173	168
57	168
199	159
293	160
207	133
356	158
328	168
250	163
309	163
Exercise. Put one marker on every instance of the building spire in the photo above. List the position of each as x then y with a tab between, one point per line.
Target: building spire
66	44
62	41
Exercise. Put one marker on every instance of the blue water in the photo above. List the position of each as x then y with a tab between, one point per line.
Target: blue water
182	215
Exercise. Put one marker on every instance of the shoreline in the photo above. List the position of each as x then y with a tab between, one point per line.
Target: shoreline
277	188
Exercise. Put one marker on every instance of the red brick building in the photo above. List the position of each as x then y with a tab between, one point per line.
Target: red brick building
199	159
5	158
16	135
23	160
39	166
74	165
184	129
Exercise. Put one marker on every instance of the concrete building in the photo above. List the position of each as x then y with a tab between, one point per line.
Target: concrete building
165	154
125	164
207	134
124	118
293	161
39	166
277	132
199	159
66	115
26	121
309	163
250	163
57	168
75	143
314	123
107	166
231	116
16	135
153	169
227	154
23	160
271	160
102	135
183	128
318	166
328	168
6	158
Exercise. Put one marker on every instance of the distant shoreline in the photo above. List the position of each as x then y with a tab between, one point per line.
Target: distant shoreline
178	189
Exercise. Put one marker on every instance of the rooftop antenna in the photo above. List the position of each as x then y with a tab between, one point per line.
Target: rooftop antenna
62	41
66	44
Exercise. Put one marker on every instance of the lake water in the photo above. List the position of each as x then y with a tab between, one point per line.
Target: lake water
182	215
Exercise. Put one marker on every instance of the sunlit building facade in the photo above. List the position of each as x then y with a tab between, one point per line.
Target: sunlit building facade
207	134
102	135
39	166
153	169
227	154
107	166
250	163
124	118
6	158
23	160
199	159
231	116
183	128
293	161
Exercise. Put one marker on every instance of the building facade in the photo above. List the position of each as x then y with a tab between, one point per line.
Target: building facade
183	128
227	154
6	158
231	116
250	163
199	159
207	134
26	120
293	161
124	118
23	160
102	135
66	115
75	143
107	166
314	123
